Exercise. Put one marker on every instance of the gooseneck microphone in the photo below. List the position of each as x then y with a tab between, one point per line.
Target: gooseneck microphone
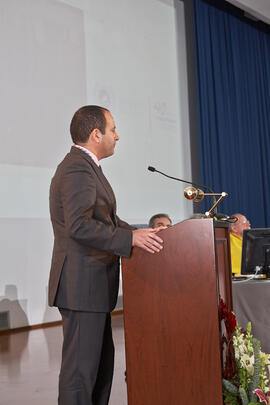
153	169
217	216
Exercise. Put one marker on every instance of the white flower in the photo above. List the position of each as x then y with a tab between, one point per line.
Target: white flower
250	369
237	353
250	347
242	349
268	369
266	358
247	362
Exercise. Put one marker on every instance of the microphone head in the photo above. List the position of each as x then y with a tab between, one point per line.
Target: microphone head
192	193
151	168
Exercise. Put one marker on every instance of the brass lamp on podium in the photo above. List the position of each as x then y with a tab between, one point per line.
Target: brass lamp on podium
197	195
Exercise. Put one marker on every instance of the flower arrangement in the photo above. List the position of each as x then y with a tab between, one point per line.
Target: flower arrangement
246	370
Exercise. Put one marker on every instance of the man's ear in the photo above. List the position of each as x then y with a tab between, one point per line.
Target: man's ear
96	136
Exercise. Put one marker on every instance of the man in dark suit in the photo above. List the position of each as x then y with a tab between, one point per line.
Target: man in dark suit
89	237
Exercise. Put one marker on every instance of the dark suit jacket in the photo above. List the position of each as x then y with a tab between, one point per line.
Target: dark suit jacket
88	237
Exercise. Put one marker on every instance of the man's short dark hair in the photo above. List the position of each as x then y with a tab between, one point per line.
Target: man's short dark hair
152	219
85	120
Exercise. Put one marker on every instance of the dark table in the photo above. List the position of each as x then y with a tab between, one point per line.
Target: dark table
251	300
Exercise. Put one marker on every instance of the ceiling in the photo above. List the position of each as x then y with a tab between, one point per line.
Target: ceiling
257	8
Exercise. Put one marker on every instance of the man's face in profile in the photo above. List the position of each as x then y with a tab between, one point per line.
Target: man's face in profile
241	224
162	221
109	138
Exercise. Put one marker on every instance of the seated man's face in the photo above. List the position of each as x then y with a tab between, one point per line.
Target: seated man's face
162	221
240	225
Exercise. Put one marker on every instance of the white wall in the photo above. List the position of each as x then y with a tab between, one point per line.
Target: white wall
58	55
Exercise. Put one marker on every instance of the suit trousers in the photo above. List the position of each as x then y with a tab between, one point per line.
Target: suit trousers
87	358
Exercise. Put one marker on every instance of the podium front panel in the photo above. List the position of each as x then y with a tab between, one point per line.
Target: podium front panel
172	334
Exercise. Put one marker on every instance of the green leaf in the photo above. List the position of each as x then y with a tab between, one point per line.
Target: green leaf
255	382
248	327
243	396
229	386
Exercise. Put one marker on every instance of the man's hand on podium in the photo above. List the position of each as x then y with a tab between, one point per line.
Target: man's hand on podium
146	238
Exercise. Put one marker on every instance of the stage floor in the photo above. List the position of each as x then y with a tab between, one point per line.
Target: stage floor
30	362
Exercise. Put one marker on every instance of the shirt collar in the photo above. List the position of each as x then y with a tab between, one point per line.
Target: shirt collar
237	236
89	153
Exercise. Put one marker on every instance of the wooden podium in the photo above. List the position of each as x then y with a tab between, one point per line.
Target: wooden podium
172	331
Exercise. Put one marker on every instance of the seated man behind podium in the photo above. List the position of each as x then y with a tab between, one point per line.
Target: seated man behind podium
160	221
236	232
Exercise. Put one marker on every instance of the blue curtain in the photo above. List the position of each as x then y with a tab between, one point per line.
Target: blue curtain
233	93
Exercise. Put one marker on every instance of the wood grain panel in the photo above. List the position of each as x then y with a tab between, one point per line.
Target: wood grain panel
171	320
